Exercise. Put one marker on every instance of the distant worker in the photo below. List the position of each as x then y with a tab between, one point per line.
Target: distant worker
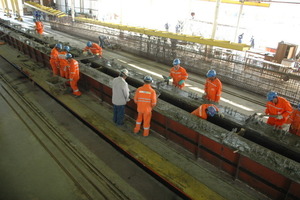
120	96
252	42
145	98
54	61
39	27
212	87
73	71
240	38
37	15
206	110
279	109
178	74
93	48
295	118
63	63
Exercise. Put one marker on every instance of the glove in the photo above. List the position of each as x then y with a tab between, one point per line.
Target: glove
169	77
181	82
279	117
221	115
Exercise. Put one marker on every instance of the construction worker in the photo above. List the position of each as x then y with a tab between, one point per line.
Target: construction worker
94	48
205	110
279	108
145	98
63	63
39	27
73	68
178	74
120	96
212	87
295	121
54	61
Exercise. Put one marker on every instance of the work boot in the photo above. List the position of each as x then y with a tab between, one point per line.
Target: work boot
146	133
136	129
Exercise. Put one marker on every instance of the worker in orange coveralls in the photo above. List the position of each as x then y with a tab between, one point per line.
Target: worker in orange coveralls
280	108
94	48
206	110
39	27
63	63
295	118
145	98
212	87
73	68
178	74
54	61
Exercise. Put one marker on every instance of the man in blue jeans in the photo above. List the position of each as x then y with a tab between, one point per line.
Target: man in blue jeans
120	96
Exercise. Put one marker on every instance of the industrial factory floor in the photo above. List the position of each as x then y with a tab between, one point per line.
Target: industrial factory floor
30	169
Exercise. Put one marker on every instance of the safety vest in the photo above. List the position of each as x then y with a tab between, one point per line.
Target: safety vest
73	70
213	89
95	49
201	110
145	98
178	75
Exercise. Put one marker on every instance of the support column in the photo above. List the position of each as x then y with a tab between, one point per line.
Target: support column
6	8
213	34
73	10
19	9
238	23
82	6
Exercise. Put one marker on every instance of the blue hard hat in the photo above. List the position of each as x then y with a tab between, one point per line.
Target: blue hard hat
67	48
211	111
211	73
59	46
271	95
176	61
89	44
68	55
148	79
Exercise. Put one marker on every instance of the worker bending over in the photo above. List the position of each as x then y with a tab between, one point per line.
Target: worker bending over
39	27
94	48
54	61
206	110
73	68
178	74
145	98
212	87
63	63
279	108
295	124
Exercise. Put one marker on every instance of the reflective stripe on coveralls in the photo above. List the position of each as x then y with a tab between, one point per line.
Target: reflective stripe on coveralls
283	107
39	27
213	89
62	63
178	75
95	49
145	98
201	110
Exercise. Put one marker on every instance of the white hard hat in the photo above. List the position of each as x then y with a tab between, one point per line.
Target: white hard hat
124	71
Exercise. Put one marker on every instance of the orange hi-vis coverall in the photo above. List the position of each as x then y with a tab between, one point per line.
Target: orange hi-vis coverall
295	125
39	27
145	98
63	63
94	49
178	75
213	89
201	110
54	61
74	76
283	107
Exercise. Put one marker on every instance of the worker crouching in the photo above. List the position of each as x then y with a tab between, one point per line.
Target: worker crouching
178	74
73	71
279	110
93	48
206	110
145	98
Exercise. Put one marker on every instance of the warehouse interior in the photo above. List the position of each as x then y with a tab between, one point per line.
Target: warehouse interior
65	147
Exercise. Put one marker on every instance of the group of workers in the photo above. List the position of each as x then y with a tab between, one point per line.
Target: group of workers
278	109
63	64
